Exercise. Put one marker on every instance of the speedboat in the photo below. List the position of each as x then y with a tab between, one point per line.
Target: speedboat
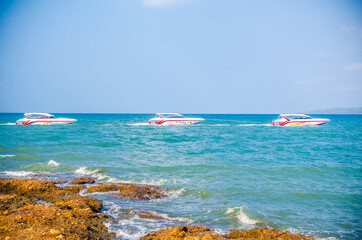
43	119
173	119
298	120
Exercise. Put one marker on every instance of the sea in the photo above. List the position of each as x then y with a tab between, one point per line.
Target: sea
229	172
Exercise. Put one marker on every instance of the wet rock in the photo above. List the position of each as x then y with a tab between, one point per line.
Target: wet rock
55	232
59	181
69	217
206	233
131	190
186	232
264	233
145	214
74	189
12	202
83	180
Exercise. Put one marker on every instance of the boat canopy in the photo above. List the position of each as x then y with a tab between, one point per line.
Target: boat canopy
169	115
38	115
294	116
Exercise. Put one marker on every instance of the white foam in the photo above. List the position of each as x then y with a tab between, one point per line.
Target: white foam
325	238
138	124
220	125
175	193
167	217
255	125
153	182
7	124
18	173
53	163
4	156
94	173
241	215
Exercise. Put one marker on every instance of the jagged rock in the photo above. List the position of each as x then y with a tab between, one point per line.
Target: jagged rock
186	232
74	189
83	180
264	233
69	217
130	190
12	202
206	233
144	214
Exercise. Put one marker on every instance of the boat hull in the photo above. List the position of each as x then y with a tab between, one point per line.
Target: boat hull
175	121
45	121
301	123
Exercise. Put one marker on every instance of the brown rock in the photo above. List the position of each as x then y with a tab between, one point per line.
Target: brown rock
24	219
264	233
206	233
83	180
12	201
206	237
131	190
74	189
55	232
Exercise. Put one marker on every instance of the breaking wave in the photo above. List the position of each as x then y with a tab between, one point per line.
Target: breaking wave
241	215
96	173
138	124
53	163
255	125
18	173
7	124
4	156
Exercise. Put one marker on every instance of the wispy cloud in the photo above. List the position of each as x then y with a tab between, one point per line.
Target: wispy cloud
353	67
161	3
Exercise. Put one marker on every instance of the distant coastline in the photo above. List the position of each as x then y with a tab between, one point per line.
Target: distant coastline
357	110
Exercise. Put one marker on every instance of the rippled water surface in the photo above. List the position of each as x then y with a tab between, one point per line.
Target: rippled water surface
231	171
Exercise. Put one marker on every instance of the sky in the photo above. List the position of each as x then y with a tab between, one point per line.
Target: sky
186	56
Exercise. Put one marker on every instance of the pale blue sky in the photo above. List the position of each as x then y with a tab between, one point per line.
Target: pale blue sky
187	56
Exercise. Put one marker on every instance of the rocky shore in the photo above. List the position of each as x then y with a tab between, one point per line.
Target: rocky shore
39	209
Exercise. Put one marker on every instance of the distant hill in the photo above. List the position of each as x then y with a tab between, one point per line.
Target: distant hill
338	111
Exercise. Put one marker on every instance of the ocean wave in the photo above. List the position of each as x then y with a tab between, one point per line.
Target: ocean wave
170	218
96	173
6	156
255	125
151	182
138	124
241	215
175	193
18	173
7	124
129	223
219	125
53	163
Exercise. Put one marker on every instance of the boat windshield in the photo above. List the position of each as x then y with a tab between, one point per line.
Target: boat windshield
295	116
38	115
169	115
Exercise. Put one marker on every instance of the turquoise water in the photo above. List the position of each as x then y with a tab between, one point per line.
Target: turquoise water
231	171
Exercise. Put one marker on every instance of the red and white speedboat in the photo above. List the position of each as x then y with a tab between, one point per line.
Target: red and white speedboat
173	119
298	120
43	119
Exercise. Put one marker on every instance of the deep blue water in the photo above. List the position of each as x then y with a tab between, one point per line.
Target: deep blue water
231	171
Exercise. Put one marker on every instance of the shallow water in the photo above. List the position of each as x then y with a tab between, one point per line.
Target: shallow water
231	171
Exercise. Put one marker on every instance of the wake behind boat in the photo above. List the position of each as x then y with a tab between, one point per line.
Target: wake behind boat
43	119
298	120
173	119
